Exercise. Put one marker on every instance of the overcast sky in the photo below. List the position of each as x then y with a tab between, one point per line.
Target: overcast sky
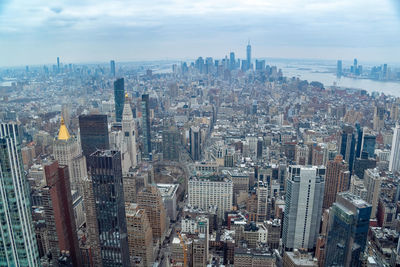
37	31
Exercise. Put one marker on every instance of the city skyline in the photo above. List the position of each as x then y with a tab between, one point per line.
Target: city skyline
36	32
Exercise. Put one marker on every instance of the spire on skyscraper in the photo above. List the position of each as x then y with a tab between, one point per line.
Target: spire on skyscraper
63	133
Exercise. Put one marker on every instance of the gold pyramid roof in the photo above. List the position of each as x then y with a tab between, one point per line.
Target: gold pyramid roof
63	133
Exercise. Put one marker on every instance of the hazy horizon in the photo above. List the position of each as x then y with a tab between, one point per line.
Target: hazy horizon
36	32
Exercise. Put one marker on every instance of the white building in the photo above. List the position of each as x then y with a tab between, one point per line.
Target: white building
303	206
394	164
372	183
168	194
204	192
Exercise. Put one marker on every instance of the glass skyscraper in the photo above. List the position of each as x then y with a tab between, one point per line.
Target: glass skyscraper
17	240
119	98
106	173
146	126
94	133
348	229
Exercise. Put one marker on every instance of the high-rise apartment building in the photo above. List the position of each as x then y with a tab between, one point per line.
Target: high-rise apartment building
372	183
105	171
59	206
94	133
206	192
146	126
303	206
170	143
17	243
337	180
379	118
149	199
119	98
140	236
394	163
347	230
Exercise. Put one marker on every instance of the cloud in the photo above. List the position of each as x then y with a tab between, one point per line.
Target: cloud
187	26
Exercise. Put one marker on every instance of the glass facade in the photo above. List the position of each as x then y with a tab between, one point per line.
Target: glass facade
18	245
146	126
106	172
93	133
119	98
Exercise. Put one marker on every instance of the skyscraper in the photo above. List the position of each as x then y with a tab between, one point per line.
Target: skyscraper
170	143
129	133
347	230
149	199
140	236
195	143
303	206
394	163
58	186
146	126
65	150
372	183
106	174
112	68
379	118
347	145
17	243
58	65
248	56
339	70
94	133
232	61
119	98
337	180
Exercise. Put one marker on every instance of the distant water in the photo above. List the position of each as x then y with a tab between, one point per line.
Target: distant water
325	75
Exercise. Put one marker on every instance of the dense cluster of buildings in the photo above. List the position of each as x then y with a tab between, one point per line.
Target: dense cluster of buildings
217	163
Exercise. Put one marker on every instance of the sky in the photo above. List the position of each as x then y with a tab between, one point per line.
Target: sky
37	31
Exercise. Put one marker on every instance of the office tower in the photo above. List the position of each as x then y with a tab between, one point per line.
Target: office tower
394	163
302	154
355	67
94	133
260	65
339	68
65	150
146	126
112	68
232	61
379	118
140	236
129	134
92	227
248	56
372	183
195	143
58	65
119	98
368	144
59	206
18	243
347	145
337	180
199	252
171	140
303	206
348	229
105	170
363	163
206	192
149	199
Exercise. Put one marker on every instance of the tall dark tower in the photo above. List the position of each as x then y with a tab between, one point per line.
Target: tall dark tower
112	68
248	55
146	126
119	98
232	61
58	65
347	145
106	173
94	133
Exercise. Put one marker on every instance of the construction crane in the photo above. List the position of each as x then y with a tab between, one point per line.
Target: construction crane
184	247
